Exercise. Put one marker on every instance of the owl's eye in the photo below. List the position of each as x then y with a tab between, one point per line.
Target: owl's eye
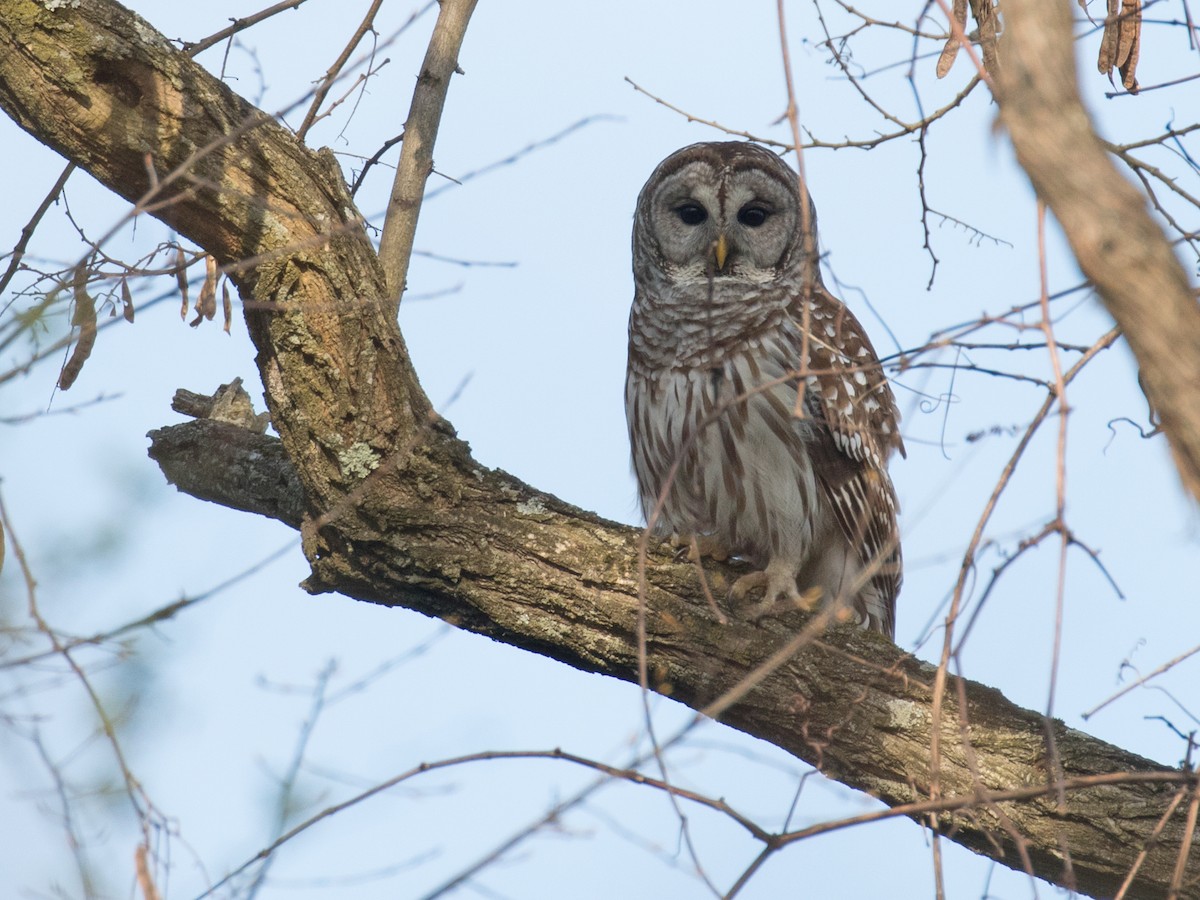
691	213
752	215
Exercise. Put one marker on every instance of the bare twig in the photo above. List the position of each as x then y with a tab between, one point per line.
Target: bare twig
941	678
331	74
1170	664
711	124
520	154
162	614
773	841
143	808
197	47
287	784
1185	846
1145	851
18	250
1060	499
374	160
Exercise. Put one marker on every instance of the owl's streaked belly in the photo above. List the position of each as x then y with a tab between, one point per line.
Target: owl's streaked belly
732	458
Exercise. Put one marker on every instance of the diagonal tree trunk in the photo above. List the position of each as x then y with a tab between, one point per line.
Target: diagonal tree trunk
398	513
1118	245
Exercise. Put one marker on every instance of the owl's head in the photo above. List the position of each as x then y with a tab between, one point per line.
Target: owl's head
721	210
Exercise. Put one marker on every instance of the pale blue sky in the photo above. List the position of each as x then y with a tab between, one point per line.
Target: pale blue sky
544	346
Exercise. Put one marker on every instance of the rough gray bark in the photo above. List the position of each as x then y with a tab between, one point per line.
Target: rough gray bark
400	514
232	466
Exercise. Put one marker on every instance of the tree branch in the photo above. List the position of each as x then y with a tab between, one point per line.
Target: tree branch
524	568
398	513
420	134
232	466
1117	243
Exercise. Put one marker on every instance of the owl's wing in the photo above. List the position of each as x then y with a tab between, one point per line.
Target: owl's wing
848	393
852	392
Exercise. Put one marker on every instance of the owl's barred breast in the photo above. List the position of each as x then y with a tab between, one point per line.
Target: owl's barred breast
694	324
716	441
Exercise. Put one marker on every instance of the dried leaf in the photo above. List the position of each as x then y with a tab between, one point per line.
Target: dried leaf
226	305
950	51
949	54
206	303
1124	21
1121	45
84	316
126	301
181	280
1108	42
1131	42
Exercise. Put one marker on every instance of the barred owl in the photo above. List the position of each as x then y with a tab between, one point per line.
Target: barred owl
759	416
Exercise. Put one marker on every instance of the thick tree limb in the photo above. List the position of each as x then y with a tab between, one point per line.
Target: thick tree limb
232	466
1117	243
399	513
522	567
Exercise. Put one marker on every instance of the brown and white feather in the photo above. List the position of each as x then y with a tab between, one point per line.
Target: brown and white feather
717	357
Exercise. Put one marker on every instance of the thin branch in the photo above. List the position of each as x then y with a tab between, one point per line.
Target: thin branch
1170	664
711	124
1060	497
1127	883
1185	846
521	154
143	807
773	841
287	784
374	160
194	48
420	134
331	74
18	250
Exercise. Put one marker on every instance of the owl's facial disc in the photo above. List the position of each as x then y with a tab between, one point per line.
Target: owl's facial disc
716	222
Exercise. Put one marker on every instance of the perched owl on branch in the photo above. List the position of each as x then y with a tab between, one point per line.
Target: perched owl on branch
759	416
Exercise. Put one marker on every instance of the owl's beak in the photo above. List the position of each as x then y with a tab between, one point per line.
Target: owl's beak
721	251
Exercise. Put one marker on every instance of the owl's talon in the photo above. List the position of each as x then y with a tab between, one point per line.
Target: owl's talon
695	547
779	588
747	583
